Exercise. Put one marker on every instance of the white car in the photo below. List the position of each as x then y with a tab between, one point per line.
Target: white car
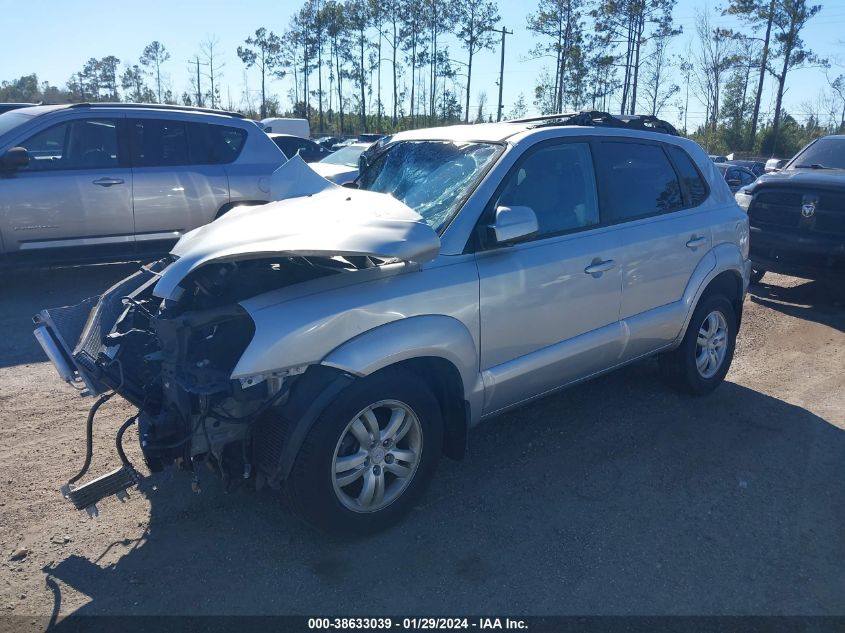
279	125
342	166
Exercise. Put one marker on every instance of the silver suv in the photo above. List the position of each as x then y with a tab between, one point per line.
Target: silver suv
103	181
336	343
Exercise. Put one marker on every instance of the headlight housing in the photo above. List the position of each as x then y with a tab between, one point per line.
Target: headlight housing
743	199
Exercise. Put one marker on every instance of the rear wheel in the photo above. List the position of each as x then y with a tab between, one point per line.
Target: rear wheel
702	360
757	275
369	456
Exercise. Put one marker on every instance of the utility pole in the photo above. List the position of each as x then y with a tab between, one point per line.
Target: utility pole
502	73
199	90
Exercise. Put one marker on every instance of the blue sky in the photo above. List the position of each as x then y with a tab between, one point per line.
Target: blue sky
54	39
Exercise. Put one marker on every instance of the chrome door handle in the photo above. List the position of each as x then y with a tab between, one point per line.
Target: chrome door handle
108	182
695	242
598	267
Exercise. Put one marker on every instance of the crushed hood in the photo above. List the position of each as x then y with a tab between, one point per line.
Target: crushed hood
334	221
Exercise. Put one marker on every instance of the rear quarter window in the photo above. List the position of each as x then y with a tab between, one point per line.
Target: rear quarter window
694	183
226	142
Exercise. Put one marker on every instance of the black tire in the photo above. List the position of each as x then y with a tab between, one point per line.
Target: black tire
310	485
757	275
679	368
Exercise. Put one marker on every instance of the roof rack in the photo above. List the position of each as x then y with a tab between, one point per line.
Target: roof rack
156	106
595	118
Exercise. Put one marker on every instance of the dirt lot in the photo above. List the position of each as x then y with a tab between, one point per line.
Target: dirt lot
616	497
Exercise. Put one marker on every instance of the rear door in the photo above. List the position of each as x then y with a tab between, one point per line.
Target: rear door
74	199
178	183
654	193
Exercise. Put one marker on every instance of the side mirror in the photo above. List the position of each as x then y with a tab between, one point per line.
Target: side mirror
14	158
513	224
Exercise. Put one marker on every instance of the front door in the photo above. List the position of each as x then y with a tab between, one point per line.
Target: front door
74	199
550	305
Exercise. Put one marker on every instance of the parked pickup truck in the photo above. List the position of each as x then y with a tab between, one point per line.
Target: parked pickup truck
797	215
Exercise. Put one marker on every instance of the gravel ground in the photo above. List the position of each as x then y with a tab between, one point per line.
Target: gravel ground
615	497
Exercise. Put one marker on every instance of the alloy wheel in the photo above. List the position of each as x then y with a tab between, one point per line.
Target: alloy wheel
377	456
711	346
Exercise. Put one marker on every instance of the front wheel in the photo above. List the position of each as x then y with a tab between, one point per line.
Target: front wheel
369	456
702	360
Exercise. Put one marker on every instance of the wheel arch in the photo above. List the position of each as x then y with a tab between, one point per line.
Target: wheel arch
437	348
730	284
445	381
723	270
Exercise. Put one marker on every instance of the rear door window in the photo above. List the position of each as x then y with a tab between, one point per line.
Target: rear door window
166	143
638	180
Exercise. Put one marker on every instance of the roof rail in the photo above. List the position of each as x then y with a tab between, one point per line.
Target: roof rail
596	118
156	106
545	117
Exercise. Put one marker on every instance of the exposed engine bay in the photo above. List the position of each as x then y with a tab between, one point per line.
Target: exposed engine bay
170	338
174	359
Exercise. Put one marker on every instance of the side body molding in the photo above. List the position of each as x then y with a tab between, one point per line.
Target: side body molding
437	336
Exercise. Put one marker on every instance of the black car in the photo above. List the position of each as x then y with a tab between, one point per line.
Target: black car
307	149
329	141
757	167
797	215
5	107
736	177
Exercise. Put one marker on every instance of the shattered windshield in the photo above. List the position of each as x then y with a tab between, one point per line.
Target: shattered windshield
431	177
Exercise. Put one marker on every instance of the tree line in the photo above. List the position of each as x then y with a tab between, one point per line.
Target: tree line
387	65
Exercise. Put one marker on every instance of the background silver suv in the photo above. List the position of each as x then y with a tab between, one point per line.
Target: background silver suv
336	343
106	181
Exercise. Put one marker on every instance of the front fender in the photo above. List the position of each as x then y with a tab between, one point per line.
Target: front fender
415	337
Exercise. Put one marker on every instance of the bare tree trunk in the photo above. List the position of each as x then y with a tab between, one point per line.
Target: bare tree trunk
627	80
305	66
469	81
263	87
413	77
779	101
363	88
378	89
339	87
395	90
320	82
763	62
640	25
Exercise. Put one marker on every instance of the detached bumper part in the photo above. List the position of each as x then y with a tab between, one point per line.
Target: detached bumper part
86	496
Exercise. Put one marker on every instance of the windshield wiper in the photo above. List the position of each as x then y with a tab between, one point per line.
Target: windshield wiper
813	166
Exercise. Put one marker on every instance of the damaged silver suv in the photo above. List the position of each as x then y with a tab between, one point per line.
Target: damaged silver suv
336	342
